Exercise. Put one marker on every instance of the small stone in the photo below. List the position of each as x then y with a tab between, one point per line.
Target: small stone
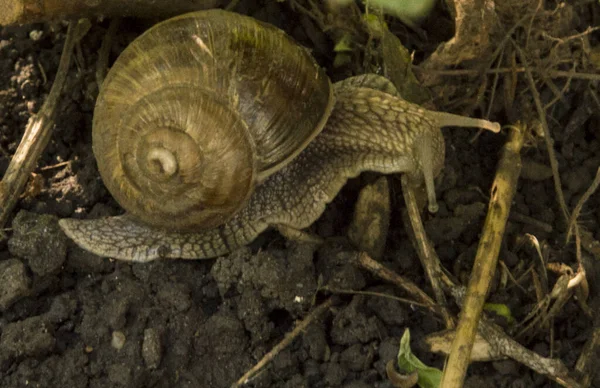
578	179
315	342
118	340
119	375
387	351
357	357
15	282
30	337
455	197
152	348
115	311
506	367
442	230
334	375
62	307
337	270
175	296
390	311
470	212
476	381
35	35
285	364
352	325
39	240
535	171
296	381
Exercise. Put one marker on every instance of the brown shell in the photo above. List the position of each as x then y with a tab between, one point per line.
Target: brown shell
224	99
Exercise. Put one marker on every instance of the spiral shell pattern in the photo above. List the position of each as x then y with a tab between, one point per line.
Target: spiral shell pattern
197	111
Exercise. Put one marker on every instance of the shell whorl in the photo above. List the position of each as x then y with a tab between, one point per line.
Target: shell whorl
198	110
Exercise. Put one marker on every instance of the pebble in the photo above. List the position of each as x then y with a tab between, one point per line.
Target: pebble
334	374
36	35
578	179
15	282
506	367
152	348
357	357
118	340
39	240
30	337
120	375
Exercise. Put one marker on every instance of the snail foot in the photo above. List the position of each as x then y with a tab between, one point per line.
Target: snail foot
298	235
120	238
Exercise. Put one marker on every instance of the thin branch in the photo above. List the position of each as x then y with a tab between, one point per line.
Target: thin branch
367	263
504	70
584	198
31	11
503	191
430	262
38	131
287	340
547	136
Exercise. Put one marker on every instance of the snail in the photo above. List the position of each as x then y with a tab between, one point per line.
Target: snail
212	127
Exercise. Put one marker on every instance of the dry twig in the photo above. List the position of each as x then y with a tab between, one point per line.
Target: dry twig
553	369
503	190
287	340
547	137
589	356
31	11
366	262
430	262
509	70
588	193
38	131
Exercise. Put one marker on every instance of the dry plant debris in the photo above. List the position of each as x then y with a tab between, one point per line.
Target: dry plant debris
32	11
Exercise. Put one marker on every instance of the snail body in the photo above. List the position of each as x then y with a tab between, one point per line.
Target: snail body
293	160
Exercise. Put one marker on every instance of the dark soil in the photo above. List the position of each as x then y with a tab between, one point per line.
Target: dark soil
72	319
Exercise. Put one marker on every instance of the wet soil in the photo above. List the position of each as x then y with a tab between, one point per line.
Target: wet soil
70	318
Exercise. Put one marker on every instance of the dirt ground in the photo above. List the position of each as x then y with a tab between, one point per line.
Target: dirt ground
73	319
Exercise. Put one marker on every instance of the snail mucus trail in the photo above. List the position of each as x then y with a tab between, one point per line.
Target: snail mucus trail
212	127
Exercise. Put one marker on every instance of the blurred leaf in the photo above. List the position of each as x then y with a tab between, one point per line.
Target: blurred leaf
595	55
501	310
376	25
407	362
410	12
343	51
397	64
344	44
341	59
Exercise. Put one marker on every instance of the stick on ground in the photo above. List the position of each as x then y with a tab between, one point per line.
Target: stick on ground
31	11
503	190
38	131
430	262
287	340
552	368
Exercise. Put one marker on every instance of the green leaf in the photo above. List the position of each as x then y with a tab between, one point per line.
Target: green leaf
429	377
501	310
410	12
343	45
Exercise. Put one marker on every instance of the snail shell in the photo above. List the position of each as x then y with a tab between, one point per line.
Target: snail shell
197	111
